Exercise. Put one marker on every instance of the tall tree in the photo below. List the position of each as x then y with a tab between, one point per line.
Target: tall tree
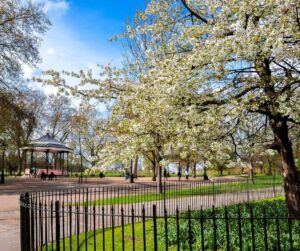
238	55
223	59
21	24
92	132
57	116
21	117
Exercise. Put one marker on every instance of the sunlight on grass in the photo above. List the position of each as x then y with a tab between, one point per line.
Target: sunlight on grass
204	189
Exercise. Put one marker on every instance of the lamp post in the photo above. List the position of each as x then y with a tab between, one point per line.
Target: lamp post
3	148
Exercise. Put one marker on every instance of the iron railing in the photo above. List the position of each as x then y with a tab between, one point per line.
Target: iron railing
137	217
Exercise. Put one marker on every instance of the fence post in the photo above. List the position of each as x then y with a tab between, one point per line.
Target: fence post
214	195
227	229
248	198
154	228
274	192
144	227
240	229
252	228
25	222
164	194
190	230
177	229
202	228
122	227
215	229
57	230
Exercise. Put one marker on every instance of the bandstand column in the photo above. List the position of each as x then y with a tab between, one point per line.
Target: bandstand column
60	161
63	162
68	163
47	161
25	160
31	159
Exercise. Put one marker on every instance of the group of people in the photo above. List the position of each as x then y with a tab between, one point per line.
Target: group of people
166	174
179	174
44	176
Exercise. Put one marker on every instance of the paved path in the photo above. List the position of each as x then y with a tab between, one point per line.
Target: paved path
13	187
9	202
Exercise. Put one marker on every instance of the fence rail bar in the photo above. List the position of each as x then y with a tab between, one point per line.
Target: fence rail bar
187	215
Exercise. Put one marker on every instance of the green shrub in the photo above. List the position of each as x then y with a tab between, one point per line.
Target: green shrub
267	214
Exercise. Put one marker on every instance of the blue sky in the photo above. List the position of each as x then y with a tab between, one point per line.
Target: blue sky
80	33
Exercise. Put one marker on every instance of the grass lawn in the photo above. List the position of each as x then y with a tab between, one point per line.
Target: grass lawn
92	239
203	189
95	239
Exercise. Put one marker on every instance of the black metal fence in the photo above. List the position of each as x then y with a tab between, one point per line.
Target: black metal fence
185	216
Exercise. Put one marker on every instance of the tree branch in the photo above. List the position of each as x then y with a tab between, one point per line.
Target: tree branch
193	12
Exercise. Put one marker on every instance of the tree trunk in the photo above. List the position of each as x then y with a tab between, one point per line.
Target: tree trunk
151	158
187	169
290	176
194	170
131	180
205	177
19	162
179	171
135	167
251	170
269	166
159	175
154	173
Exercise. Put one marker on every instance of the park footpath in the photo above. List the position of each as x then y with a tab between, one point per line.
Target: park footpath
11	190
10	208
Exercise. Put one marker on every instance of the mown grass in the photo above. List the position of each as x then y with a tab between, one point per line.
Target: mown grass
203	189
270	207
94	240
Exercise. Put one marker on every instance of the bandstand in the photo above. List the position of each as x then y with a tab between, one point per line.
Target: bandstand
47	145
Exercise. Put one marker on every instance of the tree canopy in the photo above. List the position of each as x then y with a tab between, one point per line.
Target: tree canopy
21	24
215	79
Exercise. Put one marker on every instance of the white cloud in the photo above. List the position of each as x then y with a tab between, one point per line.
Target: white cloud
63	48
51	51
56	5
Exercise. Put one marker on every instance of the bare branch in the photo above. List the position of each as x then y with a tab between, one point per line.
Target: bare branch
193	12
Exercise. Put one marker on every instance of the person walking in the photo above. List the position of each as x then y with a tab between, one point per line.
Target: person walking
179	175
165	174
186	174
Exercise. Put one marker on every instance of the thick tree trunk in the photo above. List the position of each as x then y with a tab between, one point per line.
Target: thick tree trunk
195	170
154	173
205	177
159	175
131	180
187	169
291	184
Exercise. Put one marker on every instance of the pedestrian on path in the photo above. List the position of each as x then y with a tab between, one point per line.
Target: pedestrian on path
165	174
179	175
187	174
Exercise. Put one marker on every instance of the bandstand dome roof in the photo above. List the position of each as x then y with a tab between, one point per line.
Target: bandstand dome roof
47	143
